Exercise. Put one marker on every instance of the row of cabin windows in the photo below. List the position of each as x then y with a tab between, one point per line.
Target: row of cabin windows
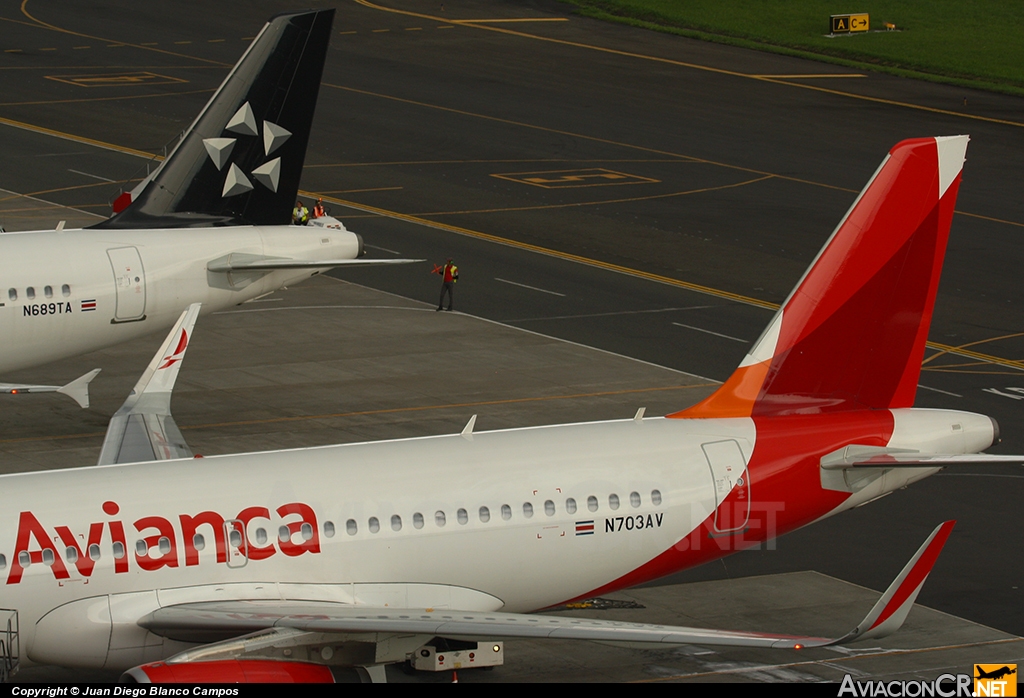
30	292
484	513
351	527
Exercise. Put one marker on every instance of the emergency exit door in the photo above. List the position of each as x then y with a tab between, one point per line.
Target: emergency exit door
129	284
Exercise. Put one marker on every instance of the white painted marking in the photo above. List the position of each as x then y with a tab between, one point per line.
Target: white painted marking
532	288
936	390
717	334
1000	392
50	203
86	174
327	307
620	312
382	249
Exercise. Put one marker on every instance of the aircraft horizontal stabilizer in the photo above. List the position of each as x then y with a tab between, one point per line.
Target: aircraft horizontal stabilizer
143	429
77	390
855	456
227	265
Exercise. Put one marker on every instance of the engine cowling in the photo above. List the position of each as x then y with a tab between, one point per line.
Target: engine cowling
230	671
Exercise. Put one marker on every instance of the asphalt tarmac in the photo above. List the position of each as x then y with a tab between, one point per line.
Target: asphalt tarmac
623	189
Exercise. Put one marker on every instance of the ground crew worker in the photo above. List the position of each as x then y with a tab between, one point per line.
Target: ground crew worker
318	209
300	214
449	275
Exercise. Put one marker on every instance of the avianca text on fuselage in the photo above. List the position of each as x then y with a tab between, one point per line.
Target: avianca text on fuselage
161	542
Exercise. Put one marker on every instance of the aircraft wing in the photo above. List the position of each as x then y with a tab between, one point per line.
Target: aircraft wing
193	621
143	429
77	390
190	621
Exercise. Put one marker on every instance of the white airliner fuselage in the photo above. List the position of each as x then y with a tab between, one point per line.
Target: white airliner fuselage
562	512
65	293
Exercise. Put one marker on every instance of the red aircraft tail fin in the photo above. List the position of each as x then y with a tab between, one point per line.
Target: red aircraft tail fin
852	333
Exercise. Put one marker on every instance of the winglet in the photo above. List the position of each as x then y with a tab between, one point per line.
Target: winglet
888	614
467	431
78	389
143	429
162	371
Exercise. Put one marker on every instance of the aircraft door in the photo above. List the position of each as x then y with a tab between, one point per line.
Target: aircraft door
237	543
732	487
129	284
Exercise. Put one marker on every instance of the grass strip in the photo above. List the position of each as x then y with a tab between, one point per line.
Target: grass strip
978	44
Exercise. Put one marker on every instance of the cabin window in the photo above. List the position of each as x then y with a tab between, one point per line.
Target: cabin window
329	529
527	510
48	556
118	549
506	512
439	518
71	554
24	559
485	514
570	506
634	499
164	545
94	552
65	290
463	516
235	538
12	293
3	561
374	524
283	534
417	520
592	503
549	508
656	497
261	536
199	542
48	291
306	531
396	522
30	293
141	548
613	501
351	528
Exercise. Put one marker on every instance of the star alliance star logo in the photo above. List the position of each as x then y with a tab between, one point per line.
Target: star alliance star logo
219	150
